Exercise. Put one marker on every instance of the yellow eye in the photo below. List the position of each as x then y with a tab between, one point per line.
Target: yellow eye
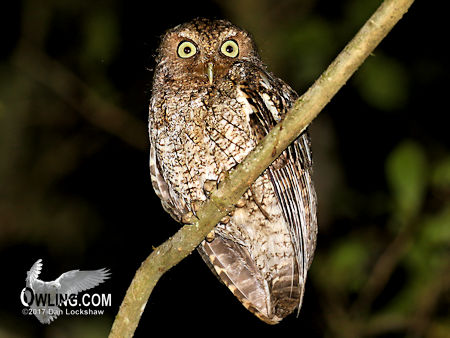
186	49
230	48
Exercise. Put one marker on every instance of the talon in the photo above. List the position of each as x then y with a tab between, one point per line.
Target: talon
240	203
210	237
225	220
187	217
195	205
209	186
221	177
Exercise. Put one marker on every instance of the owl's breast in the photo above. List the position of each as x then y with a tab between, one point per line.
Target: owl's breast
198	134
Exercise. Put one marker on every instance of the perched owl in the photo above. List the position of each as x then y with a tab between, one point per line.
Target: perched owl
212	101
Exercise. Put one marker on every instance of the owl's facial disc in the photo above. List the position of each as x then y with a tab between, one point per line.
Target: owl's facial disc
204	51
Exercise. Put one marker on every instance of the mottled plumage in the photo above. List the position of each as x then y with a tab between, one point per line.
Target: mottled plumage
213	100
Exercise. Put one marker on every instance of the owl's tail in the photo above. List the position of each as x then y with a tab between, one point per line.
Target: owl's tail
287	294
232	264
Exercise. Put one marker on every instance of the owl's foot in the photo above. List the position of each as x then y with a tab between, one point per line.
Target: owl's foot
241	203
209	186
189	217
195	205
222	176
210	237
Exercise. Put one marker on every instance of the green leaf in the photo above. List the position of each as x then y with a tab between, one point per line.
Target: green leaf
406	171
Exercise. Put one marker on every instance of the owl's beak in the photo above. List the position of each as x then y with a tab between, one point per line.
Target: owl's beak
210	72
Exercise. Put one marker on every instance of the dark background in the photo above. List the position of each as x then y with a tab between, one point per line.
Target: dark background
75	80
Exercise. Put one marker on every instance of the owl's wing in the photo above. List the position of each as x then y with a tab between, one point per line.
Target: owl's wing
75	281
233	266
34	272
291	172
162	189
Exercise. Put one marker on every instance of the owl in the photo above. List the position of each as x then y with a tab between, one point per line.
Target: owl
212	101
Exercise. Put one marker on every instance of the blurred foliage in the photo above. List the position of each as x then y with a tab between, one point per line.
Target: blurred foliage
344	267
383	83
75	187
420	251
406	175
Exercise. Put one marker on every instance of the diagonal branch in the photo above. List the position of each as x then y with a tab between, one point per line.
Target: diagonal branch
221	201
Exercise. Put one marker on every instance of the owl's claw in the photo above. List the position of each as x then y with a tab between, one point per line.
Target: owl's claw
210	237
240	203
188	218
221	177
209	186
195	205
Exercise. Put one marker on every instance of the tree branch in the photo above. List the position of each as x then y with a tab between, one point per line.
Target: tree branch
221	201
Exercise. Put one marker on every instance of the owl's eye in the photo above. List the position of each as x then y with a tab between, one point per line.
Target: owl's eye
186	49
230	48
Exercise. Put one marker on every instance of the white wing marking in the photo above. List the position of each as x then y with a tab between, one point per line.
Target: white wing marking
76	281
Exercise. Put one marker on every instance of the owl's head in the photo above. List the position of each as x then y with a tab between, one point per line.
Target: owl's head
203	51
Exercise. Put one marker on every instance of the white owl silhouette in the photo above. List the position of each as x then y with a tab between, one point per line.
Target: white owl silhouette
69	283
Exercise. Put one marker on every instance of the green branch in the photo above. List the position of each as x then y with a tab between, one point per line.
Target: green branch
221	201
